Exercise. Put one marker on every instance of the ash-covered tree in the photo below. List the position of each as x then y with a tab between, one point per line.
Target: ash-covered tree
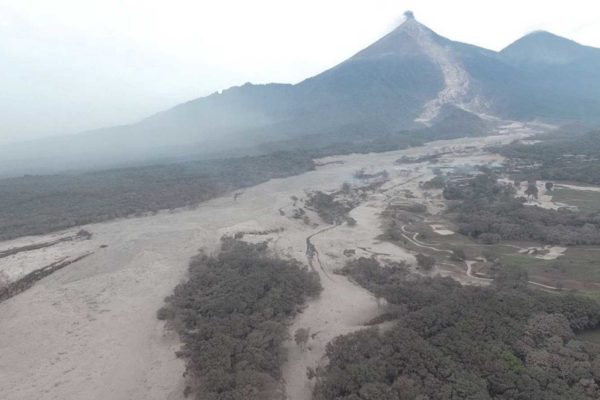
502	342
232	316
425	262
301	337
532	190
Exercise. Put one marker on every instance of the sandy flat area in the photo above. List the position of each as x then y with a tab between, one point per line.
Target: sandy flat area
89	331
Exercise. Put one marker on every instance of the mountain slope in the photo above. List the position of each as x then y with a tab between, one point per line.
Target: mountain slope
544	48
560	78
401	82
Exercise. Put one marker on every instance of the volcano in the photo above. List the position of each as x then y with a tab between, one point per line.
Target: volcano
401	82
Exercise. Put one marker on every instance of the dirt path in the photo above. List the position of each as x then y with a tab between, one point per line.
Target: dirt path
468	263
414	240
343	307
312	254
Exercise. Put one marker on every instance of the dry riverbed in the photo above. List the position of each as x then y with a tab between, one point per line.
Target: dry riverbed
89	330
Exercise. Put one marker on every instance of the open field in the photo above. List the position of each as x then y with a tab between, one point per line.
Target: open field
578	268
585	200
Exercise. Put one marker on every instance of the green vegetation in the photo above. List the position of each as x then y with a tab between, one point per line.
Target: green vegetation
564	158
334	208
425	262
348	142
488	211
40	204
455	342
437	182
33	205
231	316
578	267
585	201
592	336
453	123
330	210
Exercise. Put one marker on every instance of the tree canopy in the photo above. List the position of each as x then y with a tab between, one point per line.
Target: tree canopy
231	316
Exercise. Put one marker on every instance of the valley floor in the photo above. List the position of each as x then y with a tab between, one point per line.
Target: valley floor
89	330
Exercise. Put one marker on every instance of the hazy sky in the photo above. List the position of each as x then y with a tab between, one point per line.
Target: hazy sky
71	65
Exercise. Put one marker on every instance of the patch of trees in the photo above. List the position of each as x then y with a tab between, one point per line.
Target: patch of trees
396	216
82	234
437	182
348	142
463	342
8	290
331	208
32	205
564	158
487	210
450	123
425	262
232	316
368	273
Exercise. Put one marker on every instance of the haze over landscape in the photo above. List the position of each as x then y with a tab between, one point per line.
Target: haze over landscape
413	214
71	66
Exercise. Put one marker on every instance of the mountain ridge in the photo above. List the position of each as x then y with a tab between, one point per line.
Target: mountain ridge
399	82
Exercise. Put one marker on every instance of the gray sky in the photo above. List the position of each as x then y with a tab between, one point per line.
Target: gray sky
71	65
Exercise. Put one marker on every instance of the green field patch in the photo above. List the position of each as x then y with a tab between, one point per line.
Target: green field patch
585	201
578	268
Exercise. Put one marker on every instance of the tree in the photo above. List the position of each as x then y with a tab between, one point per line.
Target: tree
549	186
489	238
510	277
465	342
425	262
301	337
437	182
346	188
459	254
532	190
378	299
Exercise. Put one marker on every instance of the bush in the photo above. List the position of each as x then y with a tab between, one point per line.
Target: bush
489	238
459	254
425	262
438	182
